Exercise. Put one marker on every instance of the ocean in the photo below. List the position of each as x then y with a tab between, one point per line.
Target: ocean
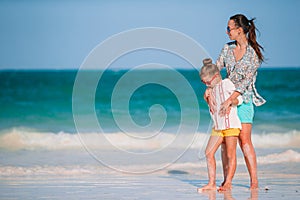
151	121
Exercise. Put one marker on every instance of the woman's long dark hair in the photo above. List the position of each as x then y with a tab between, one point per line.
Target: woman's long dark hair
248	27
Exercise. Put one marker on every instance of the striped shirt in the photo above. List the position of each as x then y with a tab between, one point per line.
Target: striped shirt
220	93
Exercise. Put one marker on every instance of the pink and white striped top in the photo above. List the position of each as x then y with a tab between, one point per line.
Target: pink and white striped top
220	93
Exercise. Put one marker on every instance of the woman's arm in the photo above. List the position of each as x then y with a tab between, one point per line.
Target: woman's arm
233	99
235	102
221	59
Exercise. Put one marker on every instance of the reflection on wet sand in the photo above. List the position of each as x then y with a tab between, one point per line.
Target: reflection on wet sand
212	194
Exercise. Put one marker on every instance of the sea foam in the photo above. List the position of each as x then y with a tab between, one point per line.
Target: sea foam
19	139
285	157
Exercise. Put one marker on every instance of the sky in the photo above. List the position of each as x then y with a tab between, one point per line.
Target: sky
59	34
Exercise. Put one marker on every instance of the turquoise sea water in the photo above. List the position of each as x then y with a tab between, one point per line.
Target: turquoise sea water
42	100
39	108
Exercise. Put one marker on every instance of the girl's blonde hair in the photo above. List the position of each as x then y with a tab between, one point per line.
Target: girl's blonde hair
208	68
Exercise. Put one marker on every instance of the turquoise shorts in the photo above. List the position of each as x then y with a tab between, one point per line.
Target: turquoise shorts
246	112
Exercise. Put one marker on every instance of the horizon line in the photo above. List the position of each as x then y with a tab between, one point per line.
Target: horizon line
120	69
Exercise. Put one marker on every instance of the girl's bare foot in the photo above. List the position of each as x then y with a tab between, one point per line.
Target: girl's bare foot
207	187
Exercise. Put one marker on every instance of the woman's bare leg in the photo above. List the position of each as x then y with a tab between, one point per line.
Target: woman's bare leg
249	153
211	148
224	161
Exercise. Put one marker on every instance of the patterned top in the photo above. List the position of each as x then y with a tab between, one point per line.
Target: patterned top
242	72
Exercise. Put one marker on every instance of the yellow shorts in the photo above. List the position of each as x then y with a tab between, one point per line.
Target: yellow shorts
226	133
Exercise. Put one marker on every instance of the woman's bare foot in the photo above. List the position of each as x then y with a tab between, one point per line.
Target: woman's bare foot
254	186
223	182
225	187
207	187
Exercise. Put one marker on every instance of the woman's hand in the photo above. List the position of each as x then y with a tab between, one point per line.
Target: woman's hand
225	107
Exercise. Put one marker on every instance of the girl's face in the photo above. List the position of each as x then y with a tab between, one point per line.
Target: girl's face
209	81
232	30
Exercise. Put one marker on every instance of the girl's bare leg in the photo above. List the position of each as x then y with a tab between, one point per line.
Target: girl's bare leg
249	153
231	157
211	148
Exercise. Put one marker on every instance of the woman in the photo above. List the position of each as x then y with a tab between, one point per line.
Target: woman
242	57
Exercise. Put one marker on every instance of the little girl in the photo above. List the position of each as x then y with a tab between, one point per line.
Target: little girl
226	126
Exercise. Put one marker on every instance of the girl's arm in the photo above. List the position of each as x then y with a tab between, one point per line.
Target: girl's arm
210	100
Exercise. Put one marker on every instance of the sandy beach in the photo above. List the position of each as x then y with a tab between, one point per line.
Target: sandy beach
172	186
278	180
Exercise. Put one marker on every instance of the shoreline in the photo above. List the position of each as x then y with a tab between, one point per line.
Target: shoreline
74	176
150	186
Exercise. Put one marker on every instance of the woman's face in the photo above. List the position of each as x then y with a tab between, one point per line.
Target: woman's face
231	30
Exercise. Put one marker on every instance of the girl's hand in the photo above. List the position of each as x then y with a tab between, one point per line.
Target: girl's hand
210	100
207	93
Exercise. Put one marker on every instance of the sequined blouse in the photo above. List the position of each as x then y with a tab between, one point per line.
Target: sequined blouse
242	72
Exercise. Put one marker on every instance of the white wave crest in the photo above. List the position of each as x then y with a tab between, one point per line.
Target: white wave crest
279	140
285	157
18	139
